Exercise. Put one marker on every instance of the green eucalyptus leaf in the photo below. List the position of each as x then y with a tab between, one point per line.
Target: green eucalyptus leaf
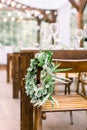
62	70
48	77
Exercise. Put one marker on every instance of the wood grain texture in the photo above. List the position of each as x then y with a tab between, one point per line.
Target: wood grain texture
9	65
15	73
26	106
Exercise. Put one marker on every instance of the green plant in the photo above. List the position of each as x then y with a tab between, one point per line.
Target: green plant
39	94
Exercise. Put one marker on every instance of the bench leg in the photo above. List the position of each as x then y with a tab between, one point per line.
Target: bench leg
71	117
83	89
78	83
38	119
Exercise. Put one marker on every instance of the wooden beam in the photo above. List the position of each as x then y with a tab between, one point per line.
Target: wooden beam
51	18
74	4
82	5
48	18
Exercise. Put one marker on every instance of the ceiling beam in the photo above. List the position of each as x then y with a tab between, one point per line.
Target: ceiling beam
13	5
82	5
74	4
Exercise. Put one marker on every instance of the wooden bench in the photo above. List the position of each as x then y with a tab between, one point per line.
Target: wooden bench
15	74
9	66
72	102
26	107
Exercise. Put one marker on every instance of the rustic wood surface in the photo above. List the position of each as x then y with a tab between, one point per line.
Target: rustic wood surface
15	73
71	102
26	106
25	56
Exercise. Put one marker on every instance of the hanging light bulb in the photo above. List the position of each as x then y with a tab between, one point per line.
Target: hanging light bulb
13	19
55	13
13	4
4	19
18	6
21	17
47	11
9	14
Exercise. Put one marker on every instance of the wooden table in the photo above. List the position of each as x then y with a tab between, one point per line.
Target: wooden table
24	61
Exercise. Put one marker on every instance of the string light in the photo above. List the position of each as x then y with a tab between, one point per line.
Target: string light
18	6
4	19
13	4
55	12
9	14
47	11
1	6
35	13
21	17
13	19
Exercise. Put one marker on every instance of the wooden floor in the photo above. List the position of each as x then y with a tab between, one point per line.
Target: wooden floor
10	112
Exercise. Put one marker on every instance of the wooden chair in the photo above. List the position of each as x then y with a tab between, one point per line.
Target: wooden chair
72	102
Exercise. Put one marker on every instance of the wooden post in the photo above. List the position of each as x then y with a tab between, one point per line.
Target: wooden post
80	19
15	68
80	6
80	23
9	65
26	106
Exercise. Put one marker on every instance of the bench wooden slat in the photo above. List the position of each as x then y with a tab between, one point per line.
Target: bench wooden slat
66	103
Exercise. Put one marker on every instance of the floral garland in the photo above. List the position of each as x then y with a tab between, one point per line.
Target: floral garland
39	94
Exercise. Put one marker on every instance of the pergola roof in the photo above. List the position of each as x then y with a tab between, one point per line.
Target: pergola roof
41	6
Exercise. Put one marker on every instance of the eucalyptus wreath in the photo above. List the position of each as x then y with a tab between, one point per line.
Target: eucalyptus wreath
40	93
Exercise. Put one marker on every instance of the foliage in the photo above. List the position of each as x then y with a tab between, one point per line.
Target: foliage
12	32
39	94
